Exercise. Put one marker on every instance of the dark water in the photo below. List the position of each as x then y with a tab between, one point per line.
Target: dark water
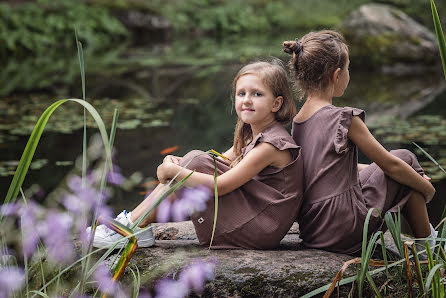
189	106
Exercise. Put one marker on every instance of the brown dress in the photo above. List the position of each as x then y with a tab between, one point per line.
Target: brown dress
336	196
258	214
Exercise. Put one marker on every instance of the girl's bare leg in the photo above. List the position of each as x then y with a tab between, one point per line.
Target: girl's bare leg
416	215
145	205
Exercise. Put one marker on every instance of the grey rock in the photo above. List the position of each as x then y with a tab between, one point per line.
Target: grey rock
290	270
383	35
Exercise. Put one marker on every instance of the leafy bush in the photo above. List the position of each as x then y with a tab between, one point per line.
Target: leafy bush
47	26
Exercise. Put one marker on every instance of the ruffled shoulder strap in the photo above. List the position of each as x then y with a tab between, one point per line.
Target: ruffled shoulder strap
344	121
276	135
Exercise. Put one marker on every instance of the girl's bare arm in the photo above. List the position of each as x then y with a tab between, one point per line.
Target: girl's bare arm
261	156
392	166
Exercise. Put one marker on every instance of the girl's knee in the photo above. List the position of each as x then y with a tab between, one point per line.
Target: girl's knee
405	155
196	160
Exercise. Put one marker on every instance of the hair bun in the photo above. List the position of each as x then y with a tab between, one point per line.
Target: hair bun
292	47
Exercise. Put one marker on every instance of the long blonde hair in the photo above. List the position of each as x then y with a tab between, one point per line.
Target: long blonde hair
274	76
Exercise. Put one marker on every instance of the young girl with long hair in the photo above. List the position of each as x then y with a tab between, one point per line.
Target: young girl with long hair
338	192
259	190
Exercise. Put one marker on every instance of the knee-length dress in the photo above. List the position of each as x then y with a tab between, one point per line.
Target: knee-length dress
258	214
336	196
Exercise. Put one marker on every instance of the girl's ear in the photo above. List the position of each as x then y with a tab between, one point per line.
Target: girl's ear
278	101
335	76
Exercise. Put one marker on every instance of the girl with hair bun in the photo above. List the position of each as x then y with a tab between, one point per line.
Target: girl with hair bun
338	192
260	189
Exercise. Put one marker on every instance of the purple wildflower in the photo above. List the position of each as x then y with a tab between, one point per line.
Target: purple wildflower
197	197
163	211
196	275
192	200
144	295
9	209
84	199
11	279
103	277
29	226
115	177
192	278
56	236
169	288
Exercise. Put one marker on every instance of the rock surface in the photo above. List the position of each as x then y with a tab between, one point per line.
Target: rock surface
383	35
289	271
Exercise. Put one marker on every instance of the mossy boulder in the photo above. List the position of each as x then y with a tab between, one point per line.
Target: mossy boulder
288	271
381	35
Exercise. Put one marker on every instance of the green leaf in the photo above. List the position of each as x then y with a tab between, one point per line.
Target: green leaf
440	36
33	141
216	201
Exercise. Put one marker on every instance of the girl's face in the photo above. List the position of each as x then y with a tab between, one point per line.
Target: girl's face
254	102
342	81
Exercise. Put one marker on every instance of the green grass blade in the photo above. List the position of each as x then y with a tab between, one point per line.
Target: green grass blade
431	265
418	268
40	294
33	141
216	201
30	148
113	128
440	36
86	264
364	253
384	252
372	283
394	230
136	282
432	279
80	55
348	280
430	157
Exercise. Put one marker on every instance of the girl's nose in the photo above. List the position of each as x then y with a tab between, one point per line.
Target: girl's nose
247	99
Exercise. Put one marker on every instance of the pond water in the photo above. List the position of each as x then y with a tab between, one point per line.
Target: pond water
182	97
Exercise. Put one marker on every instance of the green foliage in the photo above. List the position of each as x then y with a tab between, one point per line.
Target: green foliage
226	17
47	26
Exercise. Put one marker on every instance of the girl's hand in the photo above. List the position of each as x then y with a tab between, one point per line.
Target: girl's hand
429	193
426	177
166	170
173	159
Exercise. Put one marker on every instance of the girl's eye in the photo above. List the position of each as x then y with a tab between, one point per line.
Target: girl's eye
241	93
257	94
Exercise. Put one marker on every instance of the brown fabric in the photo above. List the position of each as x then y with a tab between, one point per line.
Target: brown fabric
258	214
336	196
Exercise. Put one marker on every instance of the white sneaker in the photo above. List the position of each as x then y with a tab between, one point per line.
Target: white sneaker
106	238
420	244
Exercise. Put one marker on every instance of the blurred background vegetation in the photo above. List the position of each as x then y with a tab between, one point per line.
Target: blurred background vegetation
36	27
